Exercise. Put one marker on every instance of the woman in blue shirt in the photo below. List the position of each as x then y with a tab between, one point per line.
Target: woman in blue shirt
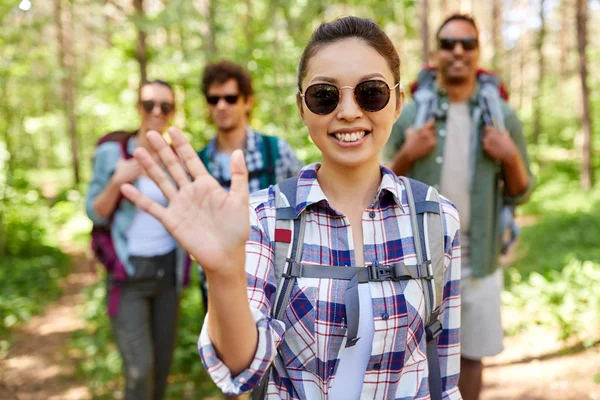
143	307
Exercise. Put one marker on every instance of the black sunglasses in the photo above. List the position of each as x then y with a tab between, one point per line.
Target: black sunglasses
467	43
230	99
371	96
165	108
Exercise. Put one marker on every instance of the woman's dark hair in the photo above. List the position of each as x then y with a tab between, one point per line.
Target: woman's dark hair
223	71
458	17
348	28
155	82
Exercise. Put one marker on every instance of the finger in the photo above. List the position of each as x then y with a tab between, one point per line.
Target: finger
239	174
144	203
188	154
168	158
155	172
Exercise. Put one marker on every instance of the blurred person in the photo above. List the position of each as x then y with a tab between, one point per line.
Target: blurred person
349	313
229	94
478	160
146	268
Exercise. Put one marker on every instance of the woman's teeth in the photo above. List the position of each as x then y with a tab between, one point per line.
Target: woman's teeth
350	137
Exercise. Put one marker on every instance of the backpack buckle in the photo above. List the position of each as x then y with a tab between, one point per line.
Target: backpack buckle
379	272
293	269
429	270
433	330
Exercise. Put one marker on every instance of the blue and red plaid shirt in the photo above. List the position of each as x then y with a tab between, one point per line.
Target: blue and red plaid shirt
305	347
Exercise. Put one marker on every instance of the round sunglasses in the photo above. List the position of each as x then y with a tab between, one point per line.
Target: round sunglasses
371	96
165	108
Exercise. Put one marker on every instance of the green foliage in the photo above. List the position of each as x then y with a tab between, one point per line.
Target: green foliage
30	262
553	280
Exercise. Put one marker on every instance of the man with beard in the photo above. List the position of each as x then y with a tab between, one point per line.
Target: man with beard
229	94
462	152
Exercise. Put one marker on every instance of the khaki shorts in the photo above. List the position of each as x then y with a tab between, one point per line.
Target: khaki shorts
481	326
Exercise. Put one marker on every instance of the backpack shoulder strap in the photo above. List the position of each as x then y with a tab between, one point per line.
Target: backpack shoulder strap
424	96
490	101
270	154
203	154
289	237
428	231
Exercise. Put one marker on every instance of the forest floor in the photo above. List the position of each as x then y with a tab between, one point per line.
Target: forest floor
534	366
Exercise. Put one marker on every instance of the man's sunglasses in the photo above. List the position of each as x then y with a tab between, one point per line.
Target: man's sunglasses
467	43
371	96
230	99
165	108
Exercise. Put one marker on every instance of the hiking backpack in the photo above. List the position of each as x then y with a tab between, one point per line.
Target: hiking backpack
101	241
428	232
488	108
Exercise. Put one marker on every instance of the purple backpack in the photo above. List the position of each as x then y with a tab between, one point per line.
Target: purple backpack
102	244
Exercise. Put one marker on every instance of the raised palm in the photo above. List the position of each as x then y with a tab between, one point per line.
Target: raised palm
209	222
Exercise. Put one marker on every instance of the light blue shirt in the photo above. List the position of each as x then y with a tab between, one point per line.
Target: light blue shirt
106	157
223	164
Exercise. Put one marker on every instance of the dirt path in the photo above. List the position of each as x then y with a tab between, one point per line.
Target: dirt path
38	366
534	366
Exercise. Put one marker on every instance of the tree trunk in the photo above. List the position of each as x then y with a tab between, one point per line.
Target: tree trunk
497	35
64	28
208	27
587	176
425	31
537	100
563	51
444	8
248	30
140	50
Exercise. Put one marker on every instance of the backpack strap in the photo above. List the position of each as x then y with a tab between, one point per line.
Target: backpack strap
286	252
270	154
426	99
289	238
490	102
427	222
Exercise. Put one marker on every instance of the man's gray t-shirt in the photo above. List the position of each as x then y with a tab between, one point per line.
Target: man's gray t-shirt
456	172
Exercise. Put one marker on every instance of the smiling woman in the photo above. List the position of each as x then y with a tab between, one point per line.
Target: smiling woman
351	317
146	268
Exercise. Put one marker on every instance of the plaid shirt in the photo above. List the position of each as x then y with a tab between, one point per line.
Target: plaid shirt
306	345
286	165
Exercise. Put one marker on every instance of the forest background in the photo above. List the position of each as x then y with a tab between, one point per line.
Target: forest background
69	72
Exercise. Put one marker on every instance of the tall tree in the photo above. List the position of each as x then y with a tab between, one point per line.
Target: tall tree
537	100
208	27
563	45
140	50
64	28
425	31
587	176
497	44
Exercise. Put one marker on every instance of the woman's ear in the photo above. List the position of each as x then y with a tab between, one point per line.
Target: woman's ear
399	103
300	105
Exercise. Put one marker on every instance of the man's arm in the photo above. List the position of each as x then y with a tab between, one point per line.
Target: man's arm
511	150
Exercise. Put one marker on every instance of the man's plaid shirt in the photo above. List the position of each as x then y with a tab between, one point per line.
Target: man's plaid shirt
306	345
286	165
